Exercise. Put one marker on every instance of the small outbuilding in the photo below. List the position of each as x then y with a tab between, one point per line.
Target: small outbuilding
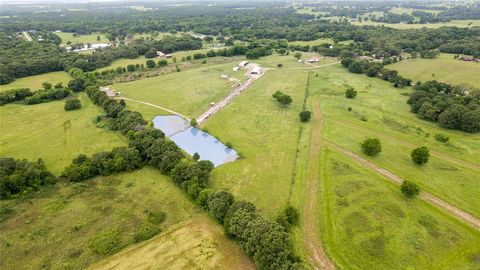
256	70
243	64
236	68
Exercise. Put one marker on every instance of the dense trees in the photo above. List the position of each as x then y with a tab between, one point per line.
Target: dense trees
452	107
13	95
288	217
22	176
409	189
72	104
45	95
371	146
420	155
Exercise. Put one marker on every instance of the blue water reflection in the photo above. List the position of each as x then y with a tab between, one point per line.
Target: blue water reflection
193	140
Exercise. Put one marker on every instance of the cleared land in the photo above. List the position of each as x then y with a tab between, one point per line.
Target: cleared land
198	243
265	133
379	104
443	68
189	92
90	38
35	82
46	131
368	224
54	229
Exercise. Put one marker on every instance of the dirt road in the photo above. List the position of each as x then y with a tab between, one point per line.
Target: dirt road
460	214
437	154
235	92
27	36
316	254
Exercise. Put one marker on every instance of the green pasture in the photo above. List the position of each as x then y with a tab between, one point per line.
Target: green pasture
188	92
53	229
368	224
265	133
88	38
48	132
443	68
35	82
451	174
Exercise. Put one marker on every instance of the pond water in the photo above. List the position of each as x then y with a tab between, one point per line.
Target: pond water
193	140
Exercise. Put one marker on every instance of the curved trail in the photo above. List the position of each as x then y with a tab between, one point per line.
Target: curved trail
316	255
437	154
153	105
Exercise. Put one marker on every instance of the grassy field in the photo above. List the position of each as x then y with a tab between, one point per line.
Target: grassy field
380	104
457	23
368	224
46	131
188	92
317	42
35	82
90	38
198	243
265	133
54	228
401	10
443	68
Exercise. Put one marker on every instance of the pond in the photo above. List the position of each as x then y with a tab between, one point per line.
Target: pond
193	140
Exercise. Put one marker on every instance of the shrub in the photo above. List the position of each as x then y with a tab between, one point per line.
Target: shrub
282	98
72	104
305	116
193	122
442	138
150	63
146	231
105	243
279	65
350	92
156	217
409	189
420	155
77	85
371	146
14	95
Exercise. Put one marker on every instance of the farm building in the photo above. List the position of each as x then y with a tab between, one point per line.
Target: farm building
160	54
313	60
256	70
236	68
243	64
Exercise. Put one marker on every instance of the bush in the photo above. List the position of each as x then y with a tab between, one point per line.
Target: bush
305	116
371	146
151	53
442	138
156	217
105	243
350	92
72	104
409	189
193	122
420	155
146	231
150	63
282	98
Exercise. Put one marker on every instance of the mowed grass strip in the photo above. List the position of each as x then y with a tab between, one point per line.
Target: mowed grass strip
443	68
48	132
369	224
55	228
188	92
35	82
266	134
